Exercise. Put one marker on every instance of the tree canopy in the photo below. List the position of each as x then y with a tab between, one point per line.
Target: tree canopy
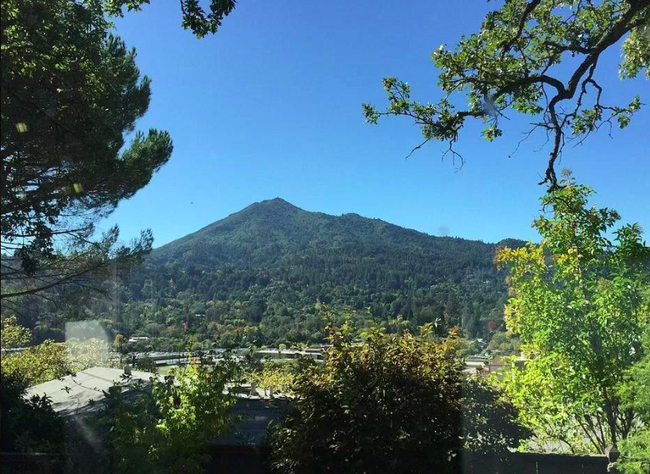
71	95
195	18
49	360
163	426
391	403
536	57
579	304
256	276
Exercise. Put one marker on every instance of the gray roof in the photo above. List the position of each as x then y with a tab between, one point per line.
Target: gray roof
73	393
72	396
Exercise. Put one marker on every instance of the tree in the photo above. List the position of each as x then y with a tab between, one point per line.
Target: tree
194	16
48	360
38	364
394	403
539	58
13	334
28	425
71	93
634	393
578	305
276	377
504	343
164	428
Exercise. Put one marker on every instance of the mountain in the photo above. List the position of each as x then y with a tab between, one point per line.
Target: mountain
276	233
258	274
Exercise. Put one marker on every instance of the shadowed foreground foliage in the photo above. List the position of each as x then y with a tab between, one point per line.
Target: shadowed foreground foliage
397	403
164	428
27	425
71	96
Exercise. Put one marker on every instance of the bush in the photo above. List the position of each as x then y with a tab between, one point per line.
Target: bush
164	427
394	403
27	425
48	360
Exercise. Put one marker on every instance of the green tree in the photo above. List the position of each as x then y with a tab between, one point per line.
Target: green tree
394	403
578	305
71	93
28	425
164	428
634	393
51	360
38	364
275	377
119	343
195	17
84	354
504	343
536	57
48	360
13	334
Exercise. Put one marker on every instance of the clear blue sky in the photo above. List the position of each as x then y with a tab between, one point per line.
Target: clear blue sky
271	106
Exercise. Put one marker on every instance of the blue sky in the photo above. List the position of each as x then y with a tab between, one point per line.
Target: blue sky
271	107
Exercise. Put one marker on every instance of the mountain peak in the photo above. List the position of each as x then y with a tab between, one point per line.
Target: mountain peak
280	260
278	201
273	206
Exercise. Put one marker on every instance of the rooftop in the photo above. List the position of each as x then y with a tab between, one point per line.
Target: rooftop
73	394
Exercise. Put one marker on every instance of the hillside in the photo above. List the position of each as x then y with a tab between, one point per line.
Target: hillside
258	274
277	236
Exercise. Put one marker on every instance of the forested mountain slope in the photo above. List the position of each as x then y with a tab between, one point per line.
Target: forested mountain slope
258	274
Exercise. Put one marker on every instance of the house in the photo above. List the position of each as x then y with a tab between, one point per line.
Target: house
75	394
243	450
275	354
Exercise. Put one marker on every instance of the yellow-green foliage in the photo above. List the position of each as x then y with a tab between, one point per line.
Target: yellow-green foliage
38	364
14	335
164	430
635	394
277	377
49	360
579	304
85	354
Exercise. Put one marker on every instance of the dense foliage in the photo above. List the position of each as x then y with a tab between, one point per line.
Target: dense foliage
28	425
164	427
504	343
536	57
256	277
275	377
48	360
154	427
71	94
13	334
579	304
635	395
392	403
195	18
